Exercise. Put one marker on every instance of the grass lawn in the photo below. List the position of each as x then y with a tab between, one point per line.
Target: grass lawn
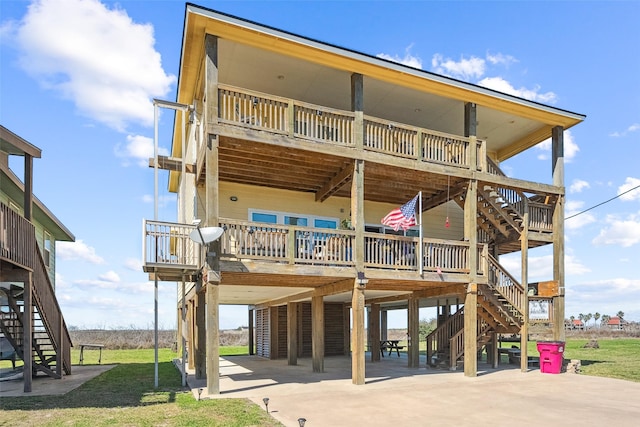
125	396
616	357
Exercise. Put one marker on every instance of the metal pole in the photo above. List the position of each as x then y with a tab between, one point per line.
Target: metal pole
184	341
155	217
420	244
155	323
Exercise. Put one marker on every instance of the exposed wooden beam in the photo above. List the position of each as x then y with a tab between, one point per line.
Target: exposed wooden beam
172	164
335	183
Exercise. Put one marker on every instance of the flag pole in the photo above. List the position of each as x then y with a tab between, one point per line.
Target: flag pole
420	244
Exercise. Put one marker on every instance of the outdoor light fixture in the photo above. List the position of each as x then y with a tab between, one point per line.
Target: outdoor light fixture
301	421
199	393
266	403
233	198
361	280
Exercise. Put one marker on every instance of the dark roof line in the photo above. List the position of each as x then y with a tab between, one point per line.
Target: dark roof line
430	74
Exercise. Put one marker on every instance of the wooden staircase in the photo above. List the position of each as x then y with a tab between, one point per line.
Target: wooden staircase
501	305
50	341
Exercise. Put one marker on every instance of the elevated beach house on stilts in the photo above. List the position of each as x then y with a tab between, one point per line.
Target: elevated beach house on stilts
32	327
297	149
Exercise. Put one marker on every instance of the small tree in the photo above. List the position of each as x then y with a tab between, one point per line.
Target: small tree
427	326
596	316
605	319
587	317
620	314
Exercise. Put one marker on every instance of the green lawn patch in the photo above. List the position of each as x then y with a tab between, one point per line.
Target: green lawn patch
125	396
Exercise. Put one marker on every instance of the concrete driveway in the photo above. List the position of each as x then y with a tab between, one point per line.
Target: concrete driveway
395	395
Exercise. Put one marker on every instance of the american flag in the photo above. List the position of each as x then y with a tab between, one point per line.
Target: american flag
404	216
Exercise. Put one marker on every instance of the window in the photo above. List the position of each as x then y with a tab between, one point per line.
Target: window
263	217
294	220
272	217
46	253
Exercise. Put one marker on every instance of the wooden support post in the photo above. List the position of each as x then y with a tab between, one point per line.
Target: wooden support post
191	334
494	350
252	349
413	339
357	335
27	339
273	333
200	356
292	333
357	106
524	330
470	124
374	334
384	328
213	338
471	331
346	319
28	186
471	298
317	333
557	149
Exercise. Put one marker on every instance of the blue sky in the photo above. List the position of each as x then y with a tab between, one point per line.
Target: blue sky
77	78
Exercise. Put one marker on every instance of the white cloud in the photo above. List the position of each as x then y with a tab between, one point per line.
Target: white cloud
630	183
95	56
623	232
501	85
501	59
465	68
633	128
604	296
78	250
578	185
140	148
541	267
570	147
572	208
408	59
110	276
163	200
133	264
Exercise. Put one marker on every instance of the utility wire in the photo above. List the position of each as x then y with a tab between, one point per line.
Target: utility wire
600	204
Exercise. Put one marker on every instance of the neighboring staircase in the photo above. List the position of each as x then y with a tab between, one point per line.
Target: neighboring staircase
51	343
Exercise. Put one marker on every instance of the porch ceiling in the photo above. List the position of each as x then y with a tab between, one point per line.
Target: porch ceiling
254	163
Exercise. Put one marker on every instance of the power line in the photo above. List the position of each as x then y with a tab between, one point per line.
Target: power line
600	204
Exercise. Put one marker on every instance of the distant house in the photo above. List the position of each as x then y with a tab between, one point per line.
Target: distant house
577	324
616	323
28	236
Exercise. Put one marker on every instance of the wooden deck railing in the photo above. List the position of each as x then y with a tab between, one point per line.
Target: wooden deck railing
168	244
47	304
540	214
504	283
260	111
17	238
439	339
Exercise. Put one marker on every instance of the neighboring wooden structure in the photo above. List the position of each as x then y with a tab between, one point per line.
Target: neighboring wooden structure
30	318
300	148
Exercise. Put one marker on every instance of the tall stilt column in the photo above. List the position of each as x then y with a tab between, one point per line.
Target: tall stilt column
357	334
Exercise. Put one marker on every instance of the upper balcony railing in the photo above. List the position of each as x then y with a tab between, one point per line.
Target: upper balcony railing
16	238
295	118
167	245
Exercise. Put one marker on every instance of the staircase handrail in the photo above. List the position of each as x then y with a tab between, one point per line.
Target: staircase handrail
506	285
50	313
453	323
